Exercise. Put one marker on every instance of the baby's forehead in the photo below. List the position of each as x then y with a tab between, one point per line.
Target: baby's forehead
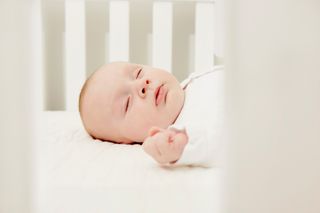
108	80
104	77
115	73
105	88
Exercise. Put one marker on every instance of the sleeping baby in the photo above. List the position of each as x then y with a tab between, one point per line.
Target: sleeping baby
178	124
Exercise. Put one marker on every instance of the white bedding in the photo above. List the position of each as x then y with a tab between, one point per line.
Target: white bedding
86	175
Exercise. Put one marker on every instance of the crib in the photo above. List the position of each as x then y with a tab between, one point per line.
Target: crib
79	36
272	82
86	175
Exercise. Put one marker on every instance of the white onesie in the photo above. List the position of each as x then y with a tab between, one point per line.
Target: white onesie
202	117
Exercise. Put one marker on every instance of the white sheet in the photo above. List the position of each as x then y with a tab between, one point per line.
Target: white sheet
86	175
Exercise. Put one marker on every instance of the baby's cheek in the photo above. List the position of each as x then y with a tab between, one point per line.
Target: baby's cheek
138	129
141	119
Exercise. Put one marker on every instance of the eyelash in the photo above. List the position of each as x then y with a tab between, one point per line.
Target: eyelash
139	72
127	104
128	100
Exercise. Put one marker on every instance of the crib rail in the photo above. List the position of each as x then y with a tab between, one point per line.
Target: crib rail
117	39
75	51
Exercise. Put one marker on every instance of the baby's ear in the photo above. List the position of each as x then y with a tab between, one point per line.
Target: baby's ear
154	130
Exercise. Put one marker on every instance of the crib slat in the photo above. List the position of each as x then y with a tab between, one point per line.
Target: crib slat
75	58
162	35
204	36
119	31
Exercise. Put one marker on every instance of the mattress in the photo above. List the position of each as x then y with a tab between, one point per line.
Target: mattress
87	175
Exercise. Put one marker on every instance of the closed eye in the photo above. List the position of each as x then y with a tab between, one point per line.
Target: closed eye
138	74
127	104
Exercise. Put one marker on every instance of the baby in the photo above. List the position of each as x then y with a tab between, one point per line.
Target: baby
128	103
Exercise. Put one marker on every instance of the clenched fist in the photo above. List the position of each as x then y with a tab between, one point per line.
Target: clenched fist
165	145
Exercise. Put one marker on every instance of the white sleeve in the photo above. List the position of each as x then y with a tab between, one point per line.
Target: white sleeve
203	147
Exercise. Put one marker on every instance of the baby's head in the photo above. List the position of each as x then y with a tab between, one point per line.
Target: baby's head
121	101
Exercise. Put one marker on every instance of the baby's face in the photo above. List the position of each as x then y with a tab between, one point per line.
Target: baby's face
125	100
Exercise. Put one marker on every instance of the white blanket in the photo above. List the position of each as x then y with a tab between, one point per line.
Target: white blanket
86	175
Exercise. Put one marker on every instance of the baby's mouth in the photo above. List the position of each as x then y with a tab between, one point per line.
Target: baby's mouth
160	94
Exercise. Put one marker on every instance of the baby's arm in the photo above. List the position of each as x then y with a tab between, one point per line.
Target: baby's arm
165	145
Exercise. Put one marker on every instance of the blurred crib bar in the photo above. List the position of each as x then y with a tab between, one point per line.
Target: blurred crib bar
177	36
75	50
162	35
119	31
204	36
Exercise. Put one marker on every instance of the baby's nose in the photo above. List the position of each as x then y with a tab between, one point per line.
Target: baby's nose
142	91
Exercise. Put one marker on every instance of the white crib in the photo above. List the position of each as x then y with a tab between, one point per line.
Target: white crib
265	62
179	36
272	81
86	175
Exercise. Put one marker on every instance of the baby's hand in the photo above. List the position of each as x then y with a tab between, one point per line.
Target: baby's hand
165	145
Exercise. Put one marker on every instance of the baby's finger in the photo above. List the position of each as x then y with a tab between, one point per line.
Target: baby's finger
150	148
162	142
179	142
154	130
